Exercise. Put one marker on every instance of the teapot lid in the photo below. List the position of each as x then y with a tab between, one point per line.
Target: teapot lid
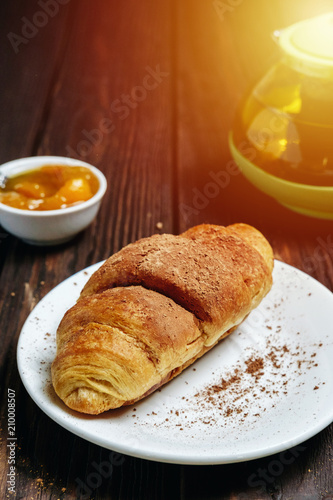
308	45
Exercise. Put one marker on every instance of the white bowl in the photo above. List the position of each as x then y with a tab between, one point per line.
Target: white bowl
49	227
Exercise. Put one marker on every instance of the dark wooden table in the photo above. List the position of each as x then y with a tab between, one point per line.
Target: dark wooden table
146	91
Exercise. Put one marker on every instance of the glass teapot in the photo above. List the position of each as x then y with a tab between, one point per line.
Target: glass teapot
282	137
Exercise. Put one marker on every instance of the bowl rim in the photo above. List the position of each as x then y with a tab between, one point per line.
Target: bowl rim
38	161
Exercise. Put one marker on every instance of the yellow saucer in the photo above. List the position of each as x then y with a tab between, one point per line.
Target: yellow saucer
314	201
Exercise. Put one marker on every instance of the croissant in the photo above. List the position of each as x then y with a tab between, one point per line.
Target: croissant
155	307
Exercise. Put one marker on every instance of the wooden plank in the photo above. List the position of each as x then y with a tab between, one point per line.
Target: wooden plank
212	78
101	94
95	98
210	86
113	112
216	60
26	31
28	34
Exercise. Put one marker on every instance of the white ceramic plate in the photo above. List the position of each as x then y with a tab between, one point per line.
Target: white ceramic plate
264	389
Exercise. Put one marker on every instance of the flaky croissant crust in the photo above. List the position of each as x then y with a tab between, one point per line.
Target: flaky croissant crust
155	307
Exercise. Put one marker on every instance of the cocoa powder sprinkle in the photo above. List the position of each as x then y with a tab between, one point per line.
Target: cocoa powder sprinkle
254	365
246	390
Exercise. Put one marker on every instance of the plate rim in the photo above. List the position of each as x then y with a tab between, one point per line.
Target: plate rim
60	414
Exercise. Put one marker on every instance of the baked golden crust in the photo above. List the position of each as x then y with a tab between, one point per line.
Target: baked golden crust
153	308
119	343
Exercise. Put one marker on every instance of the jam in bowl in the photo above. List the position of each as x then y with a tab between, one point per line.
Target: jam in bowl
47	200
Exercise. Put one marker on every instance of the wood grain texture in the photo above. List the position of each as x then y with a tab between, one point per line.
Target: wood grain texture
30	56
146	91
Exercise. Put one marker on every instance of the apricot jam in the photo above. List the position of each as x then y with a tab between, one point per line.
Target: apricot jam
50	187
